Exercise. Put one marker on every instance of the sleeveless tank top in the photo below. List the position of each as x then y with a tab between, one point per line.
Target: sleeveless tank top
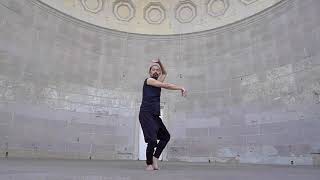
150	99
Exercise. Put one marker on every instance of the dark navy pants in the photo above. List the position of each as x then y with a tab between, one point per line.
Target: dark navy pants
153	130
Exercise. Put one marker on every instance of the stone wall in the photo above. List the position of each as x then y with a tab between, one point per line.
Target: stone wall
69	89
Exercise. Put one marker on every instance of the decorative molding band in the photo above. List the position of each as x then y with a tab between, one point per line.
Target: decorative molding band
247	2
265	15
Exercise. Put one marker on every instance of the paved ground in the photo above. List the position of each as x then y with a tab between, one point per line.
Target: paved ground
27	169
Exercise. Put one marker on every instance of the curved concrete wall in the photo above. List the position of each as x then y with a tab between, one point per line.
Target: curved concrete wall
72	90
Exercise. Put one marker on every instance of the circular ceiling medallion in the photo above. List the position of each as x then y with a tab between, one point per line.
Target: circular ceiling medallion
154	13
217	7
186	11
93	6
123	10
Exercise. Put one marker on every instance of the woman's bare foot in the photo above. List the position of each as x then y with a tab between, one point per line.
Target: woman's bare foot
149	168
155	164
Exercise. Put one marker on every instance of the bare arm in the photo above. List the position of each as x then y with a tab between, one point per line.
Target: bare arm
163	75
156	83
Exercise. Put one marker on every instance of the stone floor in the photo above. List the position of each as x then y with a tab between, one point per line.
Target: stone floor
27	169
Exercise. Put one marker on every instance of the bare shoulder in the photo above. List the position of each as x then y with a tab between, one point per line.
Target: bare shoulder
150	81
154	82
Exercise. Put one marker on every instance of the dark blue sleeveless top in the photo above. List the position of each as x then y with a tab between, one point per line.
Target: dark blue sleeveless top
150	99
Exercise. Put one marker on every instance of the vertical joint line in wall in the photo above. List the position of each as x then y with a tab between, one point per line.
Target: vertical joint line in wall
316	96
303	133
260	131
246	140
2	21
90	151
306	53
101	66
125	46
179	47
12	118
127	37
125	50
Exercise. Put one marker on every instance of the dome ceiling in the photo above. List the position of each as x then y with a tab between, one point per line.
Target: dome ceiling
161	17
